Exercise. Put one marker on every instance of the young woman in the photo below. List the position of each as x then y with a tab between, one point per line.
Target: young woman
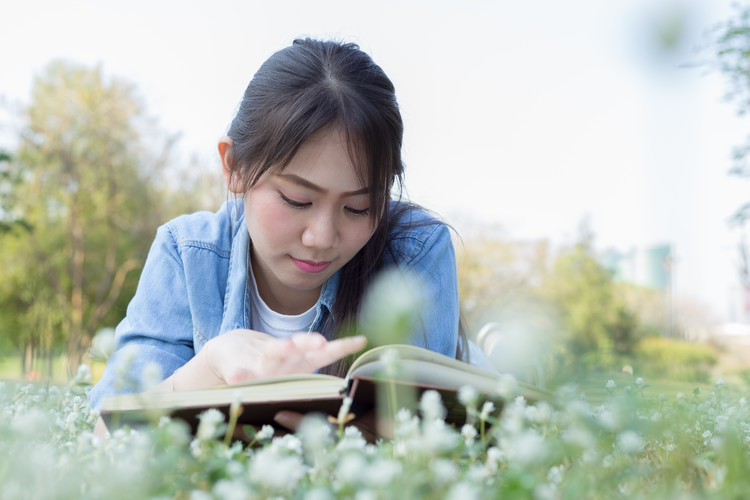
263	286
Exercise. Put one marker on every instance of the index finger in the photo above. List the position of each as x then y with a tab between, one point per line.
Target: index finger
334	350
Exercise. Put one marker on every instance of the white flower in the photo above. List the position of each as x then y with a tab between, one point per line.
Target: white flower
391	306
432	406
390	361
315	433
83	373
103	343
265	432
487	408
231	489
438	437
349	468
578	436
444	470
610	385
469	433
279	472
639	383
507	386
468	396
381	472
463	491
200	495
526	448
209	426
630	442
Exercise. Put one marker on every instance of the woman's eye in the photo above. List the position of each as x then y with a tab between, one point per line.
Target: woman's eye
354	211
293	203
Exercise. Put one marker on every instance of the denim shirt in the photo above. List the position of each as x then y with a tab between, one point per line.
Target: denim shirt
194	287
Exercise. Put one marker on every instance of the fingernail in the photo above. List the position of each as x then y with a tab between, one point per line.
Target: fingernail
282	418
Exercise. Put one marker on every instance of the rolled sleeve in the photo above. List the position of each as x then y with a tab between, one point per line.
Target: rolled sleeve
429	255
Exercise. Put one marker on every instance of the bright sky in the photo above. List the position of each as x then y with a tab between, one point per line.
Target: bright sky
528	115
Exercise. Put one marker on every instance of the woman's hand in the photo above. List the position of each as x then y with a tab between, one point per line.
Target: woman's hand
242	355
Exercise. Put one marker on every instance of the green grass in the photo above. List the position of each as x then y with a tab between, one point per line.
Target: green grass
11	369
593	386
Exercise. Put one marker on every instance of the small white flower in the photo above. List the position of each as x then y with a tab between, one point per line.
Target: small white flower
469	433
639	383
381	472
463	491
83	373
444	471
431	406
526	448
610	385
630	442
507	386
315	433
265	432
349	468
468	396
487	410
103	343
231	489
390	362
209	425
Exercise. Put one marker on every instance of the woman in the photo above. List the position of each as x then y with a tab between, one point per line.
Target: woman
264	286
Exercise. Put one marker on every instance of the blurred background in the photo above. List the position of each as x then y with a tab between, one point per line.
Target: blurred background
589	154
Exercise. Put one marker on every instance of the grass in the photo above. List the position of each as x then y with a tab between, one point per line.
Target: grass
11	369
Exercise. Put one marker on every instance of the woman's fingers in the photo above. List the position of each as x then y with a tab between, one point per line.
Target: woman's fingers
244	355
334	350
310	353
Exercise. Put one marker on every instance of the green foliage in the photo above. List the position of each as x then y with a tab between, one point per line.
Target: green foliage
674	359
566	308
84	189
731	46
10	178
596	326
497	278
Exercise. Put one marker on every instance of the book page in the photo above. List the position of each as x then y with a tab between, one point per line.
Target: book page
285	388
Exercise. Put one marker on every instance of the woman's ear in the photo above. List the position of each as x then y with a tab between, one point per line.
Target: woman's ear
231	176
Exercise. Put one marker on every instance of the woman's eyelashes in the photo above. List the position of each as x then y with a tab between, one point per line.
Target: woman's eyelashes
304	204
354	211
294	203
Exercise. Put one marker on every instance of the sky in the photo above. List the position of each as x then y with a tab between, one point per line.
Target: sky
532	117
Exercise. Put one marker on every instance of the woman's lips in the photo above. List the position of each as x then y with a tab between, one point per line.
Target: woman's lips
311	266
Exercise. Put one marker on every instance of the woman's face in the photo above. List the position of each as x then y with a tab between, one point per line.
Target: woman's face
306	222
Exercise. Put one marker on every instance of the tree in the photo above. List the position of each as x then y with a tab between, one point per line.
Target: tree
595	323
90	210
731	43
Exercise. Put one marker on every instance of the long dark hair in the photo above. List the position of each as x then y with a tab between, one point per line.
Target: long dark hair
301	89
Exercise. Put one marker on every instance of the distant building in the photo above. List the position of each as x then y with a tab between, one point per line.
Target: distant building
650	267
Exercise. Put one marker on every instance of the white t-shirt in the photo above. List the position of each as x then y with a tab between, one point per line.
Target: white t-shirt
266	320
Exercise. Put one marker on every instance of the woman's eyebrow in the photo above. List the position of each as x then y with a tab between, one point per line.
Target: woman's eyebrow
314	187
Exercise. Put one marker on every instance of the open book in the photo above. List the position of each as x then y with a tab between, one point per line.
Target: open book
417	368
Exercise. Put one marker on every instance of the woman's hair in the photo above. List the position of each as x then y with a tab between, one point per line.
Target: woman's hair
307	86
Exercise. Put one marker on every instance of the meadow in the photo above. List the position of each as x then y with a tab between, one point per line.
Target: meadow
634	441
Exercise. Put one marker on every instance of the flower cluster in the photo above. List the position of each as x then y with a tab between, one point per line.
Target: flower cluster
629	444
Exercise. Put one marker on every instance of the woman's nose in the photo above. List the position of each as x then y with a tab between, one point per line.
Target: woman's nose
320	232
